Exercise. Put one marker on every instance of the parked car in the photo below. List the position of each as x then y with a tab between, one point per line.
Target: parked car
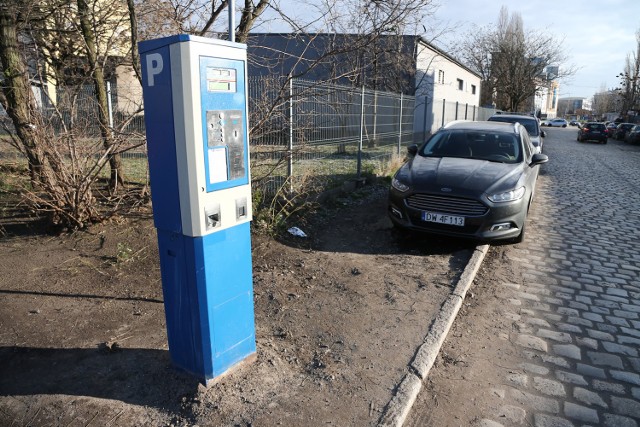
574	123
556	123
469	179
529	122
621	131
633	137
593	131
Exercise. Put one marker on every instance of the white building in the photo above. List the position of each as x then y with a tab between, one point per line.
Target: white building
445	90
571	106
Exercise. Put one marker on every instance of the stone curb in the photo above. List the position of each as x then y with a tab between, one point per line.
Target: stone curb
397	410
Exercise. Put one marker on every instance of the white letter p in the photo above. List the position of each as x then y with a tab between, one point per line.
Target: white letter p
154	67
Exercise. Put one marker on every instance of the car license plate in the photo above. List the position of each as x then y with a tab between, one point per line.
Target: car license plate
443	219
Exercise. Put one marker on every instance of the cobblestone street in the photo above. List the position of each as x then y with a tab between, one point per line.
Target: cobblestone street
571	325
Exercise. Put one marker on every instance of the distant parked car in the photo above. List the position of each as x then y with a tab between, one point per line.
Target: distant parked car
621	131
593	131
529	122
557	123
633	137
574	123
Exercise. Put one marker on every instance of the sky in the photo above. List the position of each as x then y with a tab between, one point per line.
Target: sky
597	35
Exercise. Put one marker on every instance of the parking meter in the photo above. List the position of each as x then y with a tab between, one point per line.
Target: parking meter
195	100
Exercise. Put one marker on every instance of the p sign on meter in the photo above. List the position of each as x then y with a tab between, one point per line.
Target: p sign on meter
195	101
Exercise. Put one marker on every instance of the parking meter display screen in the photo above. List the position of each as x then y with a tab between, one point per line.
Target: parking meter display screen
221	79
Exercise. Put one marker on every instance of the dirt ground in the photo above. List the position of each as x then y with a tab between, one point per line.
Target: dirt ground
339	315
461	384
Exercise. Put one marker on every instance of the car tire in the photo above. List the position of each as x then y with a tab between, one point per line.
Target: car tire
564	126
520	237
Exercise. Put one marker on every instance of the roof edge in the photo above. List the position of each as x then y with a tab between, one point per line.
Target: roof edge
446	55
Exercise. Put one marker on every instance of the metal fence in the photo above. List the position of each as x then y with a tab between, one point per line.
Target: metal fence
301	130
323	132
431	114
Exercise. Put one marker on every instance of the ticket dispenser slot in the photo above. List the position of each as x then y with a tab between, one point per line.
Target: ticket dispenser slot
241	209
212	216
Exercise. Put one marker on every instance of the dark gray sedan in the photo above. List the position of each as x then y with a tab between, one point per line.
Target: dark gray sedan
469	179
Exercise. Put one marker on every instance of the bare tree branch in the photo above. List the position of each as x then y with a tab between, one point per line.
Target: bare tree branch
512	60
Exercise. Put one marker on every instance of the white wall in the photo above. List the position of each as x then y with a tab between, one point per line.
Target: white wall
440	78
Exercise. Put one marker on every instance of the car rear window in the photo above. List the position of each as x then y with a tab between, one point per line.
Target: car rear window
596	126
530	124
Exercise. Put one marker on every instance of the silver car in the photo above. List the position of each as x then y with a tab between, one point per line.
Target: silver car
556	123
529	122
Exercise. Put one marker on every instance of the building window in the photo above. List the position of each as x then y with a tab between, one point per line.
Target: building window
460	84
473	89
440	76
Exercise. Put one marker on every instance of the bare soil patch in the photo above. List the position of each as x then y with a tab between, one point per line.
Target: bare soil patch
468	378
339	315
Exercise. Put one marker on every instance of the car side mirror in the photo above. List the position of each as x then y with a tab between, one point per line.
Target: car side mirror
543	134
412	149
538	159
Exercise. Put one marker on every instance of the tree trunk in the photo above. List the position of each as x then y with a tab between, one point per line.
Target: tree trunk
18	98
97	74
249	15
55	190
133	20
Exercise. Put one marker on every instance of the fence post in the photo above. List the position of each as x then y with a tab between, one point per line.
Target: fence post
424	125
290	153
444	103
400	124
375	117
359	164
109	104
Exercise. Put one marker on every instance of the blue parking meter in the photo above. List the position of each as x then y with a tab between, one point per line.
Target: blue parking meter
195	99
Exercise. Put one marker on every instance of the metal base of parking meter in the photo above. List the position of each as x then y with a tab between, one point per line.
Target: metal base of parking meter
208	299
197	140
